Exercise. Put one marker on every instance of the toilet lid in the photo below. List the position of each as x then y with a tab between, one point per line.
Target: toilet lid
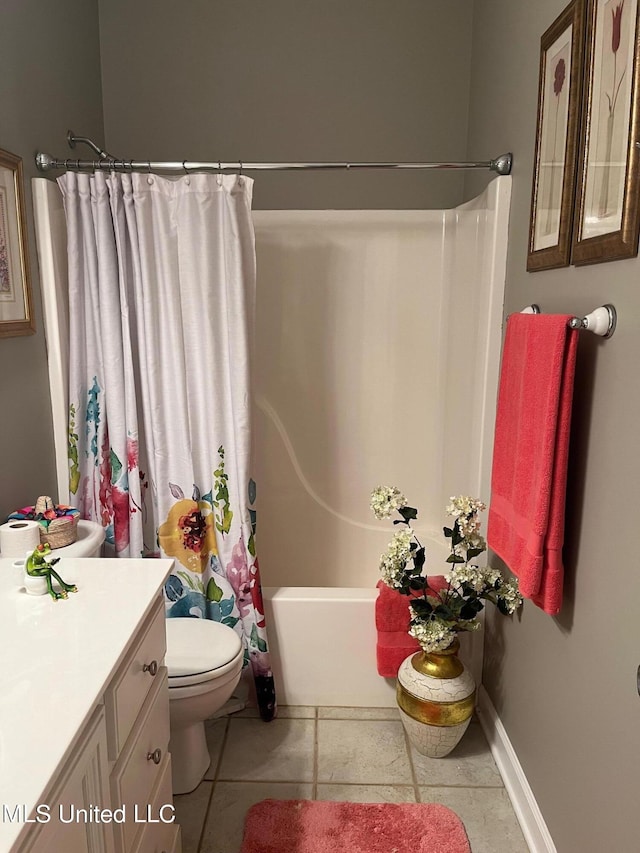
199	645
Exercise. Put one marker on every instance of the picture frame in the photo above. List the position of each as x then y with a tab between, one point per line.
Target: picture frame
557	127
16	306
607	222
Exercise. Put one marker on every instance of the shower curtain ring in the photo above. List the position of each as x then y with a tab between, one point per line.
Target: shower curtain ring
184	166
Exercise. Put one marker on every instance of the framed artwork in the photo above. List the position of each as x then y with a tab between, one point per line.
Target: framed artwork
607	217
16	310
559	95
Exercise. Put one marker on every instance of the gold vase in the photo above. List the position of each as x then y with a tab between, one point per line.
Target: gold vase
436	696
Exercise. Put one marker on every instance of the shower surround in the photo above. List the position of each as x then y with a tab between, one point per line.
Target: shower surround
377	352
376	361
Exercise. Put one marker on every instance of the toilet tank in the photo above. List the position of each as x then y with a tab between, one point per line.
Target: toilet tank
88	543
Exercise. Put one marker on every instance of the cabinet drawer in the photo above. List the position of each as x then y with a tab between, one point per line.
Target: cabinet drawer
142	761
130	687
160	837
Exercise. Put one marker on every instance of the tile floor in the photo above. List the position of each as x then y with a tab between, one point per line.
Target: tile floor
348	754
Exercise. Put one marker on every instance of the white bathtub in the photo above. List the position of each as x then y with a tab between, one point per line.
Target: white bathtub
323	647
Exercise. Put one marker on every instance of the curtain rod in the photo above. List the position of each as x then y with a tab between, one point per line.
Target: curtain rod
45	162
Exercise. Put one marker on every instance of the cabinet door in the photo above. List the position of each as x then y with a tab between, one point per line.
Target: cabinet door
83	789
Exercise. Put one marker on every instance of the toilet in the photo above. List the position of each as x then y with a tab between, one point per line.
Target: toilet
88	543
204	661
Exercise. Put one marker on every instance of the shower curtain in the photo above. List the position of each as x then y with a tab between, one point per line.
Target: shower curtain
161	295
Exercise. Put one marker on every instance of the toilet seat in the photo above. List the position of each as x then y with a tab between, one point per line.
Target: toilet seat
200	650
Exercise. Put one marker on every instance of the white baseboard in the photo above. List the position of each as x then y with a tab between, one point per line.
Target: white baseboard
524	803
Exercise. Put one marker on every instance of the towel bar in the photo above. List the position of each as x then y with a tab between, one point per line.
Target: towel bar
601	321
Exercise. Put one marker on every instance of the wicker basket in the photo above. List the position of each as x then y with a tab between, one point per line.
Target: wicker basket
60	532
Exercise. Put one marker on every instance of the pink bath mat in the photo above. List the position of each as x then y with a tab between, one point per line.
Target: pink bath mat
314	826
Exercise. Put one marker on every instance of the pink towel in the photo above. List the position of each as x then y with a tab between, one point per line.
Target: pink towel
392	624
391	649
528	481
392	608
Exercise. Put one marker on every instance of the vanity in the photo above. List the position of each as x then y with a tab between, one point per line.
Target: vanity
84	712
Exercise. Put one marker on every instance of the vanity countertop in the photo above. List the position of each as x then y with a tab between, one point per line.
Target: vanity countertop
57	659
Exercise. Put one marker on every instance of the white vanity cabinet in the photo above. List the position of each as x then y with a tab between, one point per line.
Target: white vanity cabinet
111	793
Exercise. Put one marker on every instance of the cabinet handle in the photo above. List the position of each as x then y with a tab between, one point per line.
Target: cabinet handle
155	756
151	668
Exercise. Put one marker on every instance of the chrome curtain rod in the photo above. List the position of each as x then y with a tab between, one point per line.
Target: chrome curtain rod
601	321
45	162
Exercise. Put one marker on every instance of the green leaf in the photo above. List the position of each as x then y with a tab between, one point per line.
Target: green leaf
408	512
456	536
262	646
473	552
417	583
421	607
419	558
187	578
470	610
502	607
251	546
448	532
214	593
254	636
454	558
230	621
116	466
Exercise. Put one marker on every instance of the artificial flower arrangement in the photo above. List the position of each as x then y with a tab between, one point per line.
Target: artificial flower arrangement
440	611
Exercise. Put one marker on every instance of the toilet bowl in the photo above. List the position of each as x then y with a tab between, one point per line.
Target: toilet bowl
204	660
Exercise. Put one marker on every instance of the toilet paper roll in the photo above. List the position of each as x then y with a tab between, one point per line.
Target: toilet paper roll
18	537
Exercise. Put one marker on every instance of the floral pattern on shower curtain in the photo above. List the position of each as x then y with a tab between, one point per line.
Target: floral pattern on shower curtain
161	296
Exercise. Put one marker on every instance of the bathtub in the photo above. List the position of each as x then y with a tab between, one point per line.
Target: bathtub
323	647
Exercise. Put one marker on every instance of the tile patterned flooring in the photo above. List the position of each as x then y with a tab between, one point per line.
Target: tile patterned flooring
348	754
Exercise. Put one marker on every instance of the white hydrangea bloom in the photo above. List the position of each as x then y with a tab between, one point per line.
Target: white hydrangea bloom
391	571
385	500
464	505
400	545
433	636
492	575
462	573
469	527
510	594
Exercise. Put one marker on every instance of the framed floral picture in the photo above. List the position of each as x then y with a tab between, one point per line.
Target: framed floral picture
16	311
607	218
559	93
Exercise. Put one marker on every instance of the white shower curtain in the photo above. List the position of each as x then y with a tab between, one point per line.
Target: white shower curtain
161	295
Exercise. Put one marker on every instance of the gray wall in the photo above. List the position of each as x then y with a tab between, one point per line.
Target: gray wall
50	81
565	688
289	80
